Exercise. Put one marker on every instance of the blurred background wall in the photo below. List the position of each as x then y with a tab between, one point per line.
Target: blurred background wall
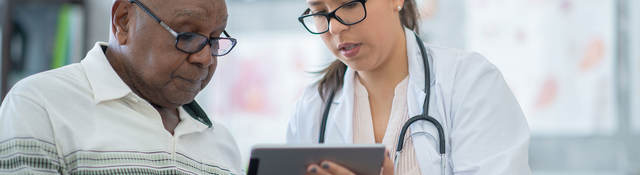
574	66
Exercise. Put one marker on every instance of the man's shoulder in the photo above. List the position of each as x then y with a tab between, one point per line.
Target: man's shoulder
59	81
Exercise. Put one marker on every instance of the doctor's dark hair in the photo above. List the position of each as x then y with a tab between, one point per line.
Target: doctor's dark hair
333	78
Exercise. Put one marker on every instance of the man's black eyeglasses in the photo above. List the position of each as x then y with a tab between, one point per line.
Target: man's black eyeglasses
191	43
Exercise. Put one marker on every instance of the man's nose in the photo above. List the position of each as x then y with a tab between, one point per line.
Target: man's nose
203	58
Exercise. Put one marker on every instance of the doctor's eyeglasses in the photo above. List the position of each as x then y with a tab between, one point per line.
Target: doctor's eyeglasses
350	13
191	43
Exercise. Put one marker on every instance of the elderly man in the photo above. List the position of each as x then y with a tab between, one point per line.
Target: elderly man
128	107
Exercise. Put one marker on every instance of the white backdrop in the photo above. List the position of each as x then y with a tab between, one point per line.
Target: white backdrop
635	65
254	89
556	55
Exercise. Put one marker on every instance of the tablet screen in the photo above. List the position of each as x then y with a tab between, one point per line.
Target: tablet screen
294	159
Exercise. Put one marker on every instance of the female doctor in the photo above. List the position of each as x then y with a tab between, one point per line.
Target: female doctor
459	114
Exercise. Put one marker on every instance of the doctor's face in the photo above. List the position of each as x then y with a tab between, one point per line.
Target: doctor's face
365	45
159	71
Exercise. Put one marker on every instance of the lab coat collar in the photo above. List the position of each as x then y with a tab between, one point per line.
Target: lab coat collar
417	90
341	120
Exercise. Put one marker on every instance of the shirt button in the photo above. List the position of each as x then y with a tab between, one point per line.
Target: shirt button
132	99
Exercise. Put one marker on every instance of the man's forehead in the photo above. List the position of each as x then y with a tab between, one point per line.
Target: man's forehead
200	14
194	9
215	5
190	13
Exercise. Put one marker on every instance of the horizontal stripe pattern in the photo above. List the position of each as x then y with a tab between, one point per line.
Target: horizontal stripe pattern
23	155
136	162
34	156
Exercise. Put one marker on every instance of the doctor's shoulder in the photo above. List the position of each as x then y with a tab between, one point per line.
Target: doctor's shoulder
310	94
309	100
301	127
451	63
445	56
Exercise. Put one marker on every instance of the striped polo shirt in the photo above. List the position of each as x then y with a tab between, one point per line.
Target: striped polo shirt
83	119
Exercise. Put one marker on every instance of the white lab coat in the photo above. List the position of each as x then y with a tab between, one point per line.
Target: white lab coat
486	132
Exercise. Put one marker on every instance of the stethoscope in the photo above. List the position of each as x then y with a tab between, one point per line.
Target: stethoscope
423	116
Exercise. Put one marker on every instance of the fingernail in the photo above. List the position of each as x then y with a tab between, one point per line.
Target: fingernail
325	165
313	170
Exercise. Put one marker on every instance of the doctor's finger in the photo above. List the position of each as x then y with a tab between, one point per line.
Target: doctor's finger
316	170
387	165
335	169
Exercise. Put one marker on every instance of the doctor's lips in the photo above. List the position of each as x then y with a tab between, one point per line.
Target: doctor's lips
349	49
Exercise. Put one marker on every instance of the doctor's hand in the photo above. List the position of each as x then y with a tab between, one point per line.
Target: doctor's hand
328	168
387	165
331	168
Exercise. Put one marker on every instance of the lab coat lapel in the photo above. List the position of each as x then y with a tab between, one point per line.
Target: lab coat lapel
339	123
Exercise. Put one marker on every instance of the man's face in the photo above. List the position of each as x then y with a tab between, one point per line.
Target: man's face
161	73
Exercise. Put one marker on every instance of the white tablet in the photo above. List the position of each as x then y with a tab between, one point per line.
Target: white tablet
294	159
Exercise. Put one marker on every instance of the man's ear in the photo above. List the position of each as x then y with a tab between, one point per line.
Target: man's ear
120	20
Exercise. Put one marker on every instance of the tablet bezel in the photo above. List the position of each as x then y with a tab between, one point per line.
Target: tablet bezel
362	159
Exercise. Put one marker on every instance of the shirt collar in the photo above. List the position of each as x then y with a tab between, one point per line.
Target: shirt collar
104	81
107	84
196	112
416	65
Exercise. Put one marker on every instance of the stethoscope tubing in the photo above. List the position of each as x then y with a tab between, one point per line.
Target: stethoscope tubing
422	117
